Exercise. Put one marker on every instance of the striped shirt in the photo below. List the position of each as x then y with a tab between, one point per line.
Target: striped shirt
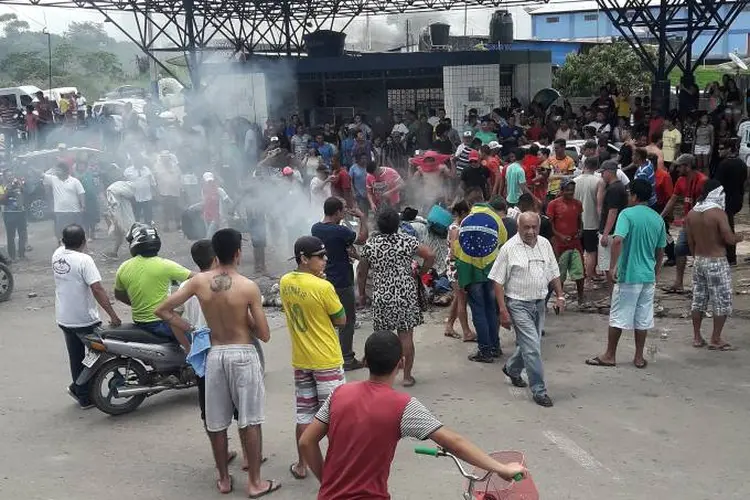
416	422
646	172
462	157
525	272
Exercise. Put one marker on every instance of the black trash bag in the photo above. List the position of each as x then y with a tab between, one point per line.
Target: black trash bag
193	226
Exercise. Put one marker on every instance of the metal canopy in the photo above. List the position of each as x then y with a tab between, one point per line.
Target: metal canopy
271	27
672	26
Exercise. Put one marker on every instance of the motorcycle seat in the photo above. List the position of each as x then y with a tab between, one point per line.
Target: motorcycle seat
131	333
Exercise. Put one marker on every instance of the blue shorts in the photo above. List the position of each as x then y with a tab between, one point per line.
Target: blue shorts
681	248
632	306
158	328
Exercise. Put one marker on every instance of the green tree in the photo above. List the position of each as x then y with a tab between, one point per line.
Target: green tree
101	63
583	74
23	67
64	55
87	34
12	25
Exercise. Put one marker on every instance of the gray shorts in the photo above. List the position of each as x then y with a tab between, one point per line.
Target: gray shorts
234	379
64	219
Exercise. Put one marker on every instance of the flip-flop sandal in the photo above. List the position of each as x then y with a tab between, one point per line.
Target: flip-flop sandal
671	290
470	339
409	382
641	366
722	347
272	486
231	486
701	344
453	335
598	362
295	474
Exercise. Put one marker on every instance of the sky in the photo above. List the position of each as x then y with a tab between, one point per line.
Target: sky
57	20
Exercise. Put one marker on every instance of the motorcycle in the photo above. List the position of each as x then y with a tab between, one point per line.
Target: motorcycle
6	278
126	364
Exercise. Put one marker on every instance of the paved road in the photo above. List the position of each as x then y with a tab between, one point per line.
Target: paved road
676	430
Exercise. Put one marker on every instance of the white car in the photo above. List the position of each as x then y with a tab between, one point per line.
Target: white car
116	108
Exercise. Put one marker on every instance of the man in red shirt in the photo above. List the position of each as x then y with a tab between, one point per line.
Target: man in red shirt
384	186
688	188
664	189
530	162
341	183
566	215
364	422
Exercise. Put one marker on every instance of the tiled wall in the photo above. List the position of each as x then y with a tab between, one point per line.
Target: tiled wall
468	87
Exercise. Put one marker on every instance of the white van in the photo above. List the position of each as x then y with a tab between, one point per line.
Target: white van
56	94
19	97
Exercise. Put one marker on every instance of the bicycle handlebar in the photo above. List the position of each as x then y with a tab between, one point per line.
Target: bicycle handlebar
440	452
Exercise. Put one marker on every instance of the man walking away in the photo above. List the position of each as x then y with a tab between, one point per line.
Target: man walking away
709	234
232	305
732	174
480	236
143	180
637	254
364	421
78	288
67	197
524	269
339	240
312	309
587	186
566	215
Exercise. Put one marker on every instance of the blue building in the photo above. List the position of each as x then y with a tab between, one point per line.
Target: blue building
584	21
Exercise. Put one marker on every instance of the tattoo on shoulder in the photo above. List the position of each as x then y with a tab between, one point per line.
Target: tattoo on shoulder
221	282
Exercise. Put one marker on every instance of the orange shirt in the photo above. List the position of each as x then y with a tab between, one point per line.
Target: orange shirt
664	187
492	163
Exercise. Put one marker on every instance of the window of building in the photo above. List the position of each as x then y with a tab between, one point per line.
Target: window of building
591	17
551	20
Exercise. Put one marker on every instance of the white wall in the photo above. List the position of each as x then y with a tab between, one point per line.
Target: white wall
466	87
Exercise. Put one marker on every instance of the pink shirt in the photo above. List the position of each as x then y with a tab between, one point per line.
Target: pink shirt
387	180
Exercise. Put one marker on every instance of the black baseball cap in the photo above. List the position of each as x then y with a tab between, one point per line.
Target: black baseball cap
309	246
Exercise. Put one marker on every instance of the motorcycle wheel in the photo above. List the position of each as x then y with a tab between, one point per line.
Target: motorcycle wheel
38	210
117	373
6	283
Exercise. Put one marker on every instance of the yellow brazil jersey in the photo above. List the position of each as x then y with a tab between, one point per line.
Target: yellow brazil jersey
309	304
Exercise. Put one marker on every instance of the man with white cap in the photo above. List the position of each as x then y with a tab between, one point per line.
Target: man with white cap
215	200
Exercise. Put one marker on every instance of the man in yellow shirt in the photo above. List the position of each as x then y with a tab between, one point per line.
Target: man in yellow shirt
562	166
671	140
312	310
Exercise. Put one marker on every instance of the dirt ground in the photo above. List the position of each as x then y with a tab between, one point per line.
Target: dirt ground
676	430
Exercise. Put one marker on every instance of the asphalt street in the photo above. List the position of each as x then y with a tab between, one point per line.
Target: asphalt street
675	430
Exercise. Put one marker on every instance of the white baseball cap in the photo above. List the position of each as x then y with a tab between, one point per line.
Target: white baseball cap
494	145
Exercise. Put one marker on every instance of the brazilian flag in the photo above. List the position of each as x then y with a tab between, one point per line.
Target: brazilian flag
480	236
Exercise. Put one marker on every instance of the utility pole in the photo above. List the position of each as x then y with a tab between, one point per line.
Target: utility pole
49	55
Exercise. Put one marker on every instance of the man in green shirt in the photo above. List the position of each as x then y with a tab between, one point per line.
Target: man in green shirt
515	179
485	134
143	281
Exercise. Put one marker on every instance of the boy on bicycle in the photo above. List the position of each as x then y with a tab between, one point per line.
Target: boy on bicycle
358	460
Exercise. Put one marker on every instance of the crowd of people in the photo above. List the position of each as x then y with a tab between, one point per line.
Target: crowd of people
492	216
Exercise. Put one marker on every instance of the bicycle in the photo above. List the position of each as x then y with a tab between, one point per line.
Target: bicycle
486	487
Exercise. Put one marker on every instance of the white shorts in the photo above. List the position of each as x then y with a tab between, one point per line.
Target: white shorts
632	306
603	255
703	150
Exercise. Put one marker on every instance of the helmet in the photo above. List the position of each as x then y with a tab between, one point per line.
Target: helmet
143	240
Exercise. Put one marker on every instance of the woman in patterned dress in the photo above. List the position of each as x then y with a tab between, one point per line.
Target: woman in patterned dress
390	256
458	304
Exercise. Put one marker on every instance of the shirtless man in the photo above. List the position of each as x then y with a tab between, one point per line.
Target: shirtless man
708	233
231	304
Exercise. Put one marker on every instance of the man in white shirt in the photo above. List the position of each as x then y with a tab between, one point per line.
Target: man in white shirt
600	125
143	180
67	197
78	288
524	268
169	185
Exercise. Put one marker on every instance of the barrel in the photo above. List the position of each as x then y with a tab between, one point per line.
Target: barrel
439	33
501	27
325	43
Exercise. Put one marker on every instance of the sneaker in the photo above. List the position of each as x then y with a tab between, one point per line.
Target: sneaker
479	357
496	353
85	404
516	381
354	364
543	400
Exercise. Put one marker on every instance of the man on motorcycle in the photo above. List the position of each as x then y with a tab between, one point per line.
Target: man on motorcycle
78	288
143	281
